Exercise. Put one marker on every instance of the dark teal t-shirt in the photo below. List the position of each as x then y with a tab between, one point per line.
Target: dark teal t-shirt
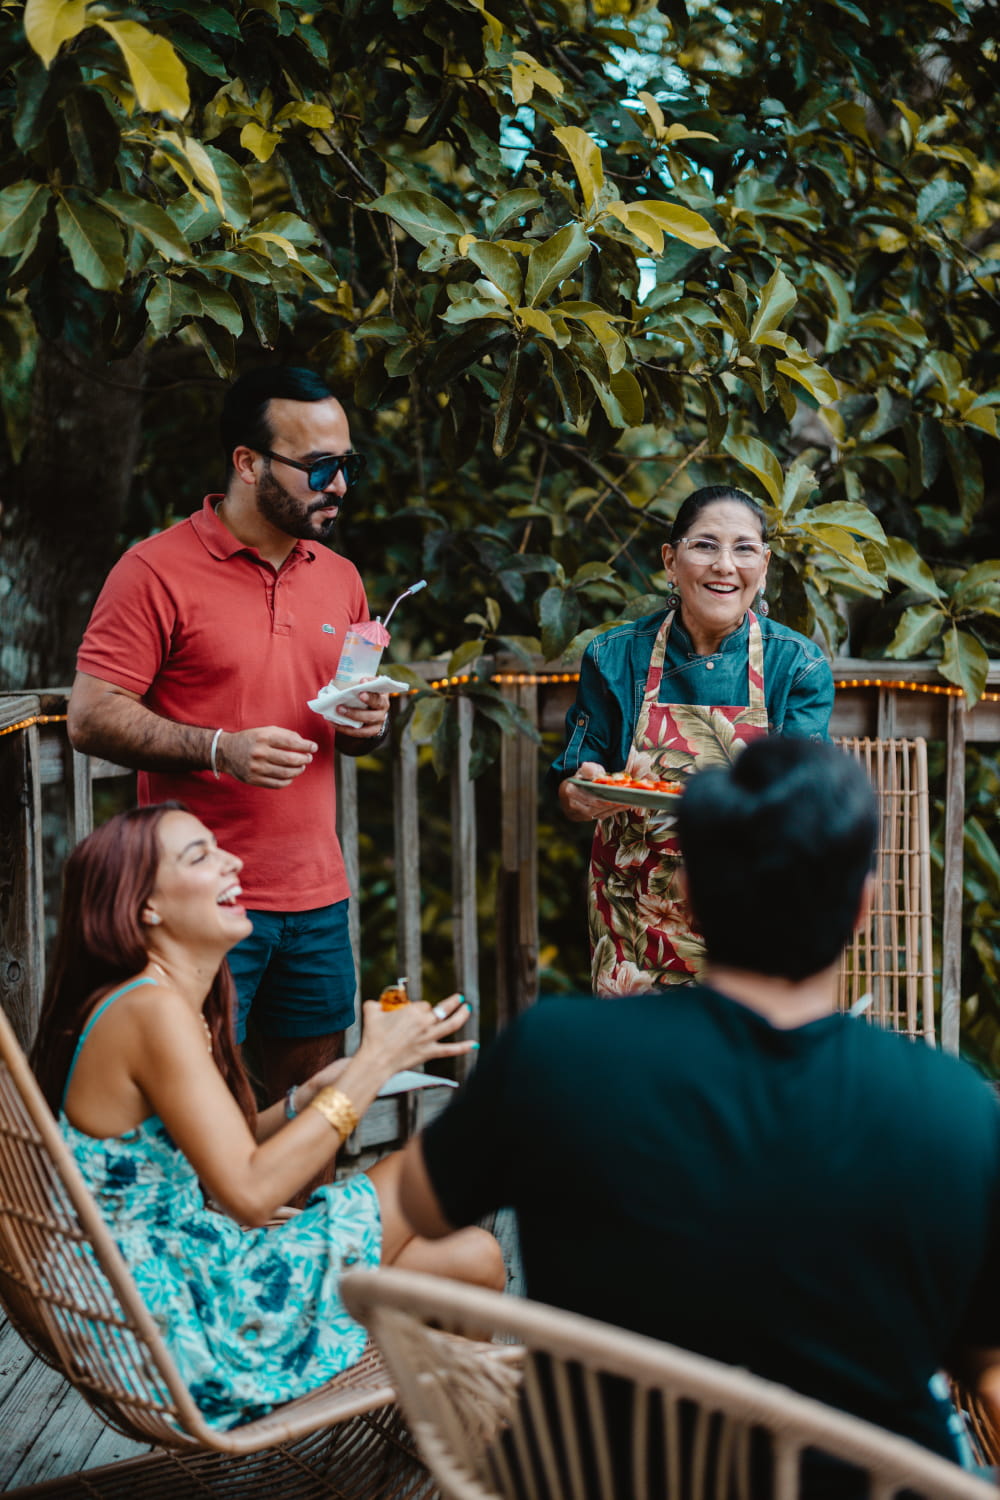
818	1205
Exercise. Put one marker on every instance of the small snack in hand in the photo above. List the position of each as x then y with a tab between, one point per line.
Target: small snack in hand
394	996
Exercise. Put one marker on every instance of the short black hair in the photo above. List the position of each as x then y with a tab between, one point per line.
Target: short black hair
245	421
776	848
699	500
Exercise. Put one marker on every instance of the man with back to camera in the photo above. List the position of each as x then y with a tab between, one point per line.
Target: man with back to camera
203	648
735	1167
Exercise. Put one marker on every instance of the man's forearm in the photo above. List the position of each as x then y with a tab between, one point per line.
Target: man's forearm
122	730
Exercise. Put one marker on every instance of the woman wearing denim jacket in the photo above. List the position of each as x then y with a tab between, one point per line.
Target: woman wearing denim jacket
669	694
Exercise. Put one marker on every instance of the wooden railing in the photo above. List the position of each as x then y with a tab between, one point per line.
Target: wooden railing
46	797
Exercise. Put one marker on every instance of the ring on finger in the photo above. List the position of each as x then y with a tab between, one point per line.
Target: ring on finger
439	1012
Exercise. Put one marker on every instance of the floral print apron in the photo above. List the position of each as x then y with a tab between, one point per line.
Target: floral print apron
642	936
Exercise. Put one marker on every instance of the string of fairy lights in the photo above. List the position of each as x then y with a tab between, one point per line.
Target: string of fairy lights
541	679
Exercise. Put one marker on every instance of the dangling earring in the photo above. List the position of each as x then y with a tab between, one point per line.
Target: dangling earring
762	606
673	598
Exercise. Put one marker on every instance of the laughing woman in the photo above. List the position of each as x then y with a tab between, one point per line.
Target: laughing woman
136	1054
669	694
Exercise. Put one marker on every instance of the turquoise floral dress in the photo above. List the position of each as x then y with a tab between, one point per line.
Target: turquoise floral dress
252	1317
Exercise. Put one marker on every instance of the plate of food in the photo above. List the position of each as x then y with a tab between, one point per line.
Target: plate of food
633	791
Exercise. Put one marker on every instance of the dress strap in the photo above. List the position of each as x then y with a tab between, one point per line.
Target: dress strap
92	1022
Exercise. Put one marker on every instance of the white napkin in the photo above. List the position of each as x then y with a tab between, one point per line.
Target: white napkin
329	699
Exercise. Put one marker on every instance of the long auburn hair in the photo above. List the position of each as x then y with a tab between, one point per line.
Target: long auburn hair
101	944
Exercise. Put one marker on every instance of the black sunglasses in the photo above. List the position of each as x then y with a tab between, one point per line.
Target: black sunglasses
323	470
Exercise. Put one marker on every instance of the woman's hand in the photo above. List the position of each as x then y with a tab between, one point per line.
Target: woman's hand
413	1033
580	806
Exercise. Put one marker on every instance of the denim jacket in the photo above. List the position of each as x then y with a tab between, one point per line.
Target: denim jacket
798	686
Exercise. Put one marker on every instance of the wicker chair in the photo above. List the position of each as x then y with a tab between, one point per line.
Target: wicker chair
70	1295
891	957
596	1413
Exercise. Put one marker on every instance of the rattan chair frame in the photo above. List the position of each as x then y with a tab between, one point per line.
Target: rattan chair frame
891	956
457	1408
70	1295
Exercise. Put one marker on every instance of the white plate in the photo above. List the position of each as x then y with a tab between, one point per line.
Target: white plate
629	796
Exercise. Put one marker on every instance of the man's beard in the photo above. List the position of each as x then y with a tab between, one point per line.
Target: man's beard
293	517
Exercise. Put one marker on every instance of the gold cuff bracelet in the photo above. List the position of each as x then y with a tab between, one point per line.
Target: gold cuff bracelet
337	1110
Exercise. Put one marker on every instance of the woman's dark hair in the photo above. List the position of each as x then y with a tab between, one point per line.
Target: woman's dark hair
776	848
101	944
699	500
245	422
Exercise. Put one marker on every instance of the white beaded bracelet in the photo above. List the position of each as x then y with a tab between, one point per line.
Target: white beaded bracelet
215	746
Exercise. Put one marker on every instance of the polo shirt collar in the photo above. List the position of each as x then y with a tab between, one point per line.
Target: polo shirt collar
217	539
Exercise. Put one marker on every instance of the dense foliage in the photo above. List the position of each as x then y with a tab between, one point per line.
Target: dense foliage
564	260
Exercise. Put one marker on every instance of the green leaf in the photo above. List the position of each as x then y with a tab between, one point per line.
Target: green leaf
680	223
94	243
758	458
837	540
511	206
501	267
907	566
553	261
851	516
817	381
777	299
559	617
421	215
426	717
917	628
966	470
465	654
965	663
169	302
153	223
585	155
979	591
49	23
628	394
220	306
157	73
237	194
938	198
22	208
259	142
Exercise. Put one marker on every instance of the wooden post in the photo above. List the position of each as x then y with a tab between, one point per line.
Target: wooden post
517	896
951	916
406	843
463	881
83	795
22	951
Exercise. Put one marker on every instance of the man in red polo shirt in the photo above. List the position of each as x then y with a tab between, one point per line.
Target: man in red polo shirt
204	646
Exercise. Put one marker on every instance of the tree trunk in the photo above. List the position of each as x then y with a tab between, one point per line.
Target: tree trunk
63	510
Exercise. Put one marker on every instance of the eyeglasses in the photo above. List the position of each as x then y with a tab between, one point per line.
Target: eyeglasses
322	471
706	549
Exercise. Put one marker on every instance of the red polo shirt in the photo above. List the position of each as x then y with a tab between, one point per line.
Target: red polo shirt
208	633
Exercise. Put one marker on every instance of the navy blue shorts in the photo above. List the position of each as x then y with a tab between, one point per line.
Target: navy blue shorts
296	971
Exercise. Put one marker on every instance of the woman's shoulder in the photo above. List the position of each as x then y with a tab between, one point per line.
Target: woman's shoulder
774	631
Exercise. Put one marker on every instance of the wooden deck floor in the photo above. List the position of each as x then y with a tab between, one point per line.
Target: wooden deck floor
48	1432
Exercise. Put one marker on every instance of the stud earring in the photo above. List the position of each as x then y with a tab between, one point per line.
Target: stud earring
153	919
762	606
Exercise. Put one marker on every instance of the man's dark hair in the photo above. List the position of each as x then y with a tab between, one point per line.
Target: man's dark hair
777	848
245	421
